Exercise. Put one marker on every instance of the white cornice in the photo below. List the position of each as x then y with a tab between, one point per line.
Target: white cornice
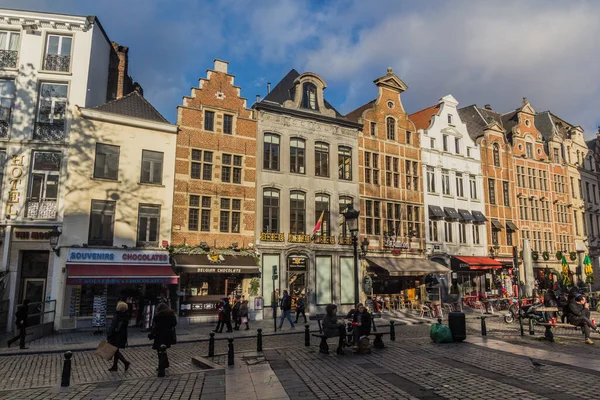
44	20
129	121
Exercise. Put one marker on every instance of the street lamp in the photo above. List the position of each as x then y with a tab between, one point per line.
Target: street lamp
351	221
54	236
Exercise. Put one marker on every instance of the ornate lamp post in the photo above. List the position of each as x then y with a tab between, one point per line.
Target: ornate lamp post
351	221
54	237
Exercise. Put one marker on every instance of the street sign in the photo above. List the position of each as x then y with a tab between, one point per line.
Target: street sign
275	275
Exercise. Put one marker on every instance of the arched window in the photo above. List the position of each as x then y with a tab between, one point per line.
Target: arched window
496	151
322	210
297	212
391	128
271	211
345	204
345	163
321	159
297	155
271	152
309	96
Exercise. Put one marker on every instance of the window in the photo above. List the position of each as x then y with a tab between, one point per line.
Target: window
556	156
230	215
367	157
321	159
373	129
580	189
473	186
520	177
152	167
369	216
572	182
297	155
102	219
43	185
52	106
591	229
413	218
345	204
445	142
448	232
201	166
209	121
412	175
395	163
195	212
106	165
468	152
584	224
297	212
449	119
495	237
408	137
496	153
432	143
375	168
9	48
492	191
271	152
587	192
345	163
476	238
594	191
377	218
388	171
509	237
322	208
391	128
430	180
58	53
462	232
148	225
433	230
7	96
231	170
228	124
309	96
457	145
445	182
459	185
506	193
529	149
270	211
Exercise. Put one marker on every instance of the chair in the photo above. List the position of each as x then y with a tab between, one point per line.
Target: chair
426	310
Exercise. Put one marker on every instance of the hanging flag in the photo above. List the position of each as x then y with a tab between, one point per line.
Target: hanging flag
319	223
589	269
565	272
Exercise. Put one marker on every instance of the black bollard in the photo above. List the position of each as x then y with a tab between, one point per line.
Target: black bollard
392	331
211	345
531	329
162	360
66	372
483	327
230	352
307	335
259	340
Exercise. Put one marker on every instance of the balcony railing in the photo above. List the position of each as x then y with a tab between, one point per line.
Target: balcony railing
325	239
49	132
346	240
41	208
272	237
56	62
4	126
8	58
298	238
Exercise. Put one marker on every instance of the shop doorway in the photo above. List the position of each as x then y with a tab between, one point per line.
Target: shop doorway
297	277
34	272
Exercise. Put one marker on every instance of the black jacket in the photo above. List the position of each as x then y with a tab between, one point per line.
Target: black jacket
286	303
164	328
227	312
365	323
244	310
574	310
236	309
117	332
22	314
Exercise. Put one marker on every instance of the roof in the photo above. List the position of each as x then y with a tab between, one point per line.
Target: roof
132	105
509	120
422	119
477	119
543	123
357	114
591	144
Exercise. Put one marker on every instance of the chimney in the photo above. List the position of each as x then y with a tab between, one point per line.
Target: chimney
487	107
119	82
257	98
268	87
220	66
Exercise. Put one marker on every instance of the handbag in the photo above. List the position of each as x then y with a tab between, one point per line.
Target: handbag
244	320
106	350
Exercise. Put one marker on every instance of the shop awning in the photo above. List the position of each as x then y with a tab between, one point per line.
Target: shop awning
219	264
465	215
511	226
407	266
479	217
436	212
451	213
465	263
118	274
497	224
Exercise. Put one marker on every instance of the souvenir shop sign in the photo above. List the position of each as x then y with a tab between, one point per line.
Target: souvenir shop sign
117	256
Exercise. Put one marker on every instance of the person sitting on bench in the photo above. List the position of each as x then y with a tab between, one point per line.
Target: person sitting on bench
331	327
579	315
361	323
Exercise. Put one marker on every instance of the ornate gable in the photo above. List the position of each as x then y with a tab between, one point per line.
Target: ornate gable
391	81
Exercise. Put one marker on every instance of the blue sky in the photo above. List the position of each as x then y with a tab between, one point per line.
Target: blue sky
481	52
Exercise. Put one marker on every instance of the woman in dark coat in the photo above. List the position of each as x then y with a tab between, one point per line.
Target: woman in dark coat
117	334
244	314
226	316
163	331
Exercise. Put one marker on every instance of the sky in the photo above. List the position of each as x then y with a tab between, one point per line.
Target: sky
482	52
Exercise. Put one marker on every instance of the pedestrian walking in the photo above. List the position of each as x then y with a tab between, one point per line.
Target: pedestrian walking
219	327
235	312
117	334
244	314
21	324
226	316
301	307
164	330
286	309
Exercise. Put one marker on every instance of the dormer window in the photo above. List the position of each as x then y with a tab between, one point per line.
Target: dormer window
309	96
449	119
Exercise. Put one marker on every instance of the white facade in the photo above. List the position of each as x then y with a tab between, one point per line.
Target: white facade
452	178
48	63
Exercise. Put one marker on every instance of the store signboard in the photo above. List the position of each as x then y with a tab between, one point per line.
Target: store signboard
31	235
116	256
122	281
209	270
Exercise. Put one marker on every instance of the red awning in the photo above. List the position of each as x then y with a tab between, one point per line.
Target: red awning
480	262
117	274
